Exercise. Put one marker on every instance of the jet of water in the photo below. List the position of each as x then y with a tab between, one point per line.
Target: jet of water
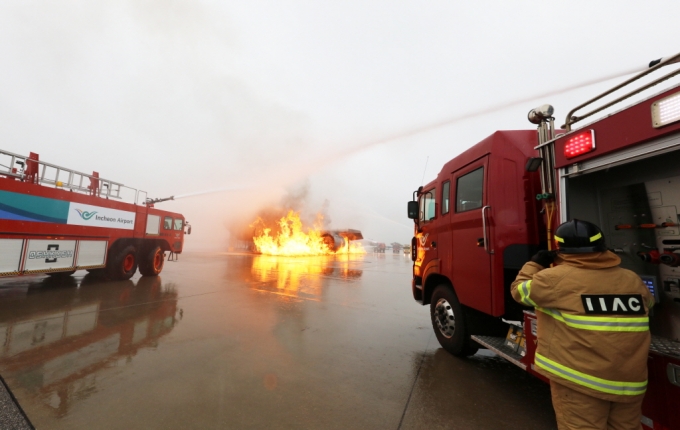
310	166
483	111
216	190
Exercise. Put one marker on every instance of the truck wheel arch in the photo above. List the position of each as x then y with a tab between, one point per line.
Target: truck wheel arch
430	283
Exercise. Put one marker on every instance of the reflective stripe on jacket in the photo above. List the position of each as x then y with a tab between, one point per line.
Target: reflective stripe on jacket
603	354
586	322
585	380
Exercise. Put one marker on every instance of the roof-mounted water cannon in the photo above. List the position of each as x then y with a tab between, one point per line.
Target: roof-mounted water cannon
541	114
153	201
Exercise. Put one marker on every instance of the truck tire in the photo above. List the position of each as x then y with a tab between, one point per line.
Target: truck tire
122	264
151	262
448	322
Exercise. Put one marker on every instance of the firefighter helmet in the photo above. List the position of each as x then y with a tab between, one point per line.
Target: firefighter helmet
579	237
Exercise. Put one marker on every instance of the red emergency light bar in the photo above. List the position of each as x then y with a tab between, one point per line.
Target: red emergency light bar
579	144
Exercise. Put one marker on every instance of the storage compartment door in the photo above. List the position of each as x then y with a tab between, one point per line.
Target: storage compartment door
10	256
91	253
49	255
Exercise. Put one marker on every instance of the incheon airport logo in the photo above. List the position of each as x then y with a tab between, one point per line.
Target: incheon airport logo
85	215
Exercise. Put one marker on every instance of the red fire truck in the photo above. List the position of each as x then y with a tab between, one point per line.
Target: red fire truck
56	220
493	206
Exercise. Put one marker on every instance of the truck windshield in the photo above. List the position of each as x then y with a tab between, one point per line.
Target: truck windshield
178	224
427	201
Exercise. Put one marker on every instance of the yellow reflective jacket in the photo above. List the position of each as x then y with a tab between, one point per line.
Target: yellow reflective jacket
593	327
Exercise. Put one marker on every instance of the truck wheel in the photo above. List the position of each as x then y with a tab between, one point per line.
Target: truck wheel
122	264
151	263
448	322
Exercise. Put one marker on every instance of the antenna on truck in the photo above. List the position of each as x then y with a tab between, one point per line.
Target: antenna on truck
425	169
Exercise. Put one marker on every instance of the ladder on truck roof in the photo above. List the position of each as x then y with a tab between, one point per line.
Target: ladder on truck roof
39	172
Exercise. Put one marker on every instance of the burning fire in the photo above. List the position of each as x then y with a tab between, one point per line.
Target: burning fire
293	240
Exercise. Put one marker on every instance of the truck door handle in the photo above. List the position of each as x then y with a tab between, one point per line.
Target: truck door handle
485	232
480	242
434	244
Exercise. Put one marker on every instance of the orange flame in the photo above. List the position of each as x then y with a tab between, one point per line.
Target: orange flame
293	240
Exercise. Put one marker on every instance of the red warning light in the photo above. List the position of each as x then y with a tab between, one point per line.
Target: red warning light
580	143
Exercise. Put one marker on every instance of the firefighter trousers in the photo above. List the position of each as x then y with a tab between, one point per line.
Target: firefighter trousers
575	410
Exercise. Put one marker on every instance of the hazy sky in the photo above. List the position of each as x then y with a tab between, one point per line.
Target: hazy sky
181	96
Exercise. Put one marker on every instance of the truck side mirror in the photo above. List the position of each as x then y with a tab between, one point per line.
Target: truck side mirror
413	210
533	164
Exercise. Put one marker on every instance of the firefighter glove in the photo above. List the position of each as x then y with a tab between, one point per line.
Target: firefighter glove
544	258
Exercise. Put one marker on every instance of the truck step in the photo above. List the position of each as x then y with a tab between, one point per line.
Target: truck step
497	345
665	347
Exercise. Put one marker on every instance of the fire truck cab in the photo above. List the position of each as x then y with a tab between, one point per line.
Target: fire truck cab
56	220
493	206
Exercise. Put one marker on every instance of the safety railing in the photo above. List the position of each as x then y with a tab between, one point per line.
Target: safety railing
654	66
31	169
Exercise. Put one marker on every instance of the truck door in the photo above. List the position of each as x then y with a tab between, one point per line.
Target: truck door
427	237
471	247
444	237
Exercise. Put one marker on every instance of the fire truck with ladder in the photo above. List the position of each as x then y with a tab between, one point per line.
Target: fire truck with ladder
496	204
56	220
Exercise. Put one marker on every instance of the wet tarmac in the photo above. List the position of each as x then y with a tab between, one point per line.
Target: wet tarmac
236	341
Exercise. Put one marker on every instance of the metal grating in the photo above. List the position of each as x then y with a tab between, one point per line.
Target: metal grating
664	346
659	345
497	345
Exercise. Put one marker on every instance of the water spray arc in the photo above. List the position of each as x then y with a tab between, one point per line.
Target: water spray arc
311	166
484	111
198	193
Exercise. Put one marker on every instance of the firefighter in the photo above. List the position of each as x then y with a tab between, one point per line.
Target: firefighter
593	329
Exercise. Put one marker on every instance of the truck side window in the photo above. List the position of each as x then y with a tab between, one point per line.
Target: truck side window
469	191
167	223
445	197
427	205
178	224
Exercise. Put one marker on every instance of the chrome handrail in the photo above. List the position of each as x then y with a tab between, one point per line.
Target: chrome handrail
572	119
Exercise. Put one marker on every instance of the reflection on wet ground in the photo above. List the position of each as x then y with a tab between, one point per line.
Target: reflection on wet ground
302	277
61	332
247	341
